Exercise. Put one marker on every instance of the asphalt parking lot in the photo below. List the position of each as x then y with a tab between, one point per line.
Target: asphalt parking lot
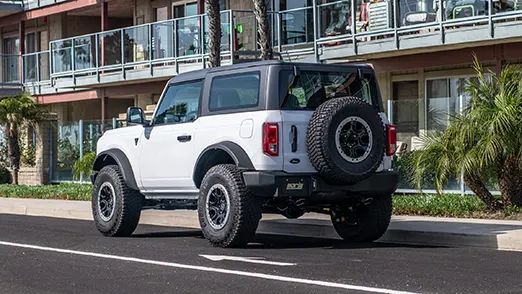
52	255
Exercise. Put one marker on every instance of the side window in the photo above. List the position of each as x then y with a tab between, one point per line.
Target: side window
234	91
179	104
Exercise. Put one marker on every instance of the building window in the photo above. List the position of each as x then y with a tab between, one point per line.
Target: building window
161	13
184	10
10	62
444	97
297	25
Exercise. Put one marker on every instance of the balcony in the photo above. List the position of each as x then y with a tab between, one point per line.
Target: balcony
8	7
316	33
33	4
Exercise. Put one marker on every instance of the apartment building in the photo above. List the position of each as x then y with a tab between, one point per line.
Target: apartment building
90	59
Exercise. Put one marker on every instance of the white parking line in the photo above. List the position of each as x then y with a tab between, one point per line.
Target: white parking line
210	269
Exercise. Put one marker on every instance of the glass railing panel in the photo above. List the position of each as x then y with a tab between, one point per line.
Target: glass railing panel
462	9
84	52
297	26
68	151
10	69
188	36
43	60
36	67
92	132
163	36
30	67
110	48
62	55
334	18
136	44
440	112
226	31
408	116
418	12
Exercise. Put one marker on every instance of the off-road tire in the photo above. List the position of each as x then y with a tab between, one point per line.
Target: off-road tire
371	226
128	204
244	212
322	148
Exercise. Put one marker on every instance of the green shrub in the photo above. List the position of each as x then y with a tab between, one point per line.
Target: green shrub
84	166
5	175
450	205
66	191
405	163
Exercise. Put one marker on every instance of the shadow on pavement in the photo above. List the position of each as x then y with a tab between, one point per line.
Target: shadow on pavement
171	234
266	241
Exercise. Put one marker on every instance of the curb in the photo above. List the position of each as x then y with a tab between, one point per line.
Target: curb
427	231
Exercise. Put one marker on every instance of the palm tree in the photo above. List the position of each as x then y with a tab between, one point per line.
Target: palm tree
16	112
484	142
214	31
265	40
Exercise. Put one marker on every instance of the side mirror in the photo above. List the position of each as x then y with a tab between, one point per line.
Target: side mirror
135	116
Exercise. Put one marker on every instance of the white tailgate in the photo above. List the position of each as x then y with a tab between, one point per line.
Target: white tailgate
295	161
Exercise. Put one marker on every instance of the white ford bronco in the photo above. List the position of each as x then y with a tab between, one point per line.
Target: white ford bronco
237	141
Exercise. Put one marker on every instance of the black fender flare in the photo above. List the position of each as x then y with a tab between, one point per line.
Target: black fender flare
115	156
236	152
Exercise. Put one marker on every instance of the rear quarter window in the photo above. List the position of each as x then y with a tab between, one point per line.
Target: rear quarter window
234	91
315	87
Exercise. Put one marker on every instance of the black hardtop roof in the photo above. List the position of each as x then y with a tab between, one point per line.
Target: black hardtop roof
200	74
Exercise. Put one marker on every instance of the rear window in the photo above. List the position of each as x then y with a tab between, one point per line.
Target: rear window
234	91
315	87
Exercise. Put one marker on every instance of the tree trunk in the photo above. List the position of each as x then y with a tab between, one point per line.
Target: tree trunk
265	40
510	181
476	185
214	32
14	151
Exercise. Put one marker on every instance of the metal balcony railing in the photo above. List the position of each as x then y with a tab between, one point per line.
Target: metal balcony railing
166	43
33	4
335	30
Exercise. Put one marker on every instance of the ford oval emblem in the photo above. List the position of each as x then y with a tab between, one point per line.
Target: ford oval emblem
295	161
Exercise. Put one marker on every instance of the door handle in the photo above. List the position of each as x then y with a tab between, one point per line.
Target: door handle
184	138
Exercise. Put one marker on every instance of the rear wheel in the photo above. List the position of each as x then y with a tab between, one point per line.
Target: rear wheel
116	208
363	223
228	212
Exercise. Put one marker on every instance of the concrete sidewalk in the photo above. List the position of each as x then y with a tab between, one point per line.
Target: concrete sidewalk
493	234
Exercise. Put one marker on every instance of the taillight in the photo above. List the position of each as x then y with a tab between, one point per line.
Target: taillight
392	139
271	139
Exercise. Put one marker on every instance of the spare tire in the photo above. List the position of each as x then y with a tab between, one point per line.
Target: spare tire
346	140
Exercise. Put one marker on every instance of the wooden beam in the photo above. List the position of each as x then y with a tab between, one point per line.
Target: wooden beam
434	59
67	97
133	89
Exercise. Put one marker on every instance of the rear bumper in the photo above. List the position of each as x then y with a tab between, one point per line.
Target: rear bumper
280	184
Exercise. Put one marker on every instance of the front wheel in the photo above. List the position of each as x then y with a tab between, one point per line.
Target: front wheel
363	223
116	208
228	213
